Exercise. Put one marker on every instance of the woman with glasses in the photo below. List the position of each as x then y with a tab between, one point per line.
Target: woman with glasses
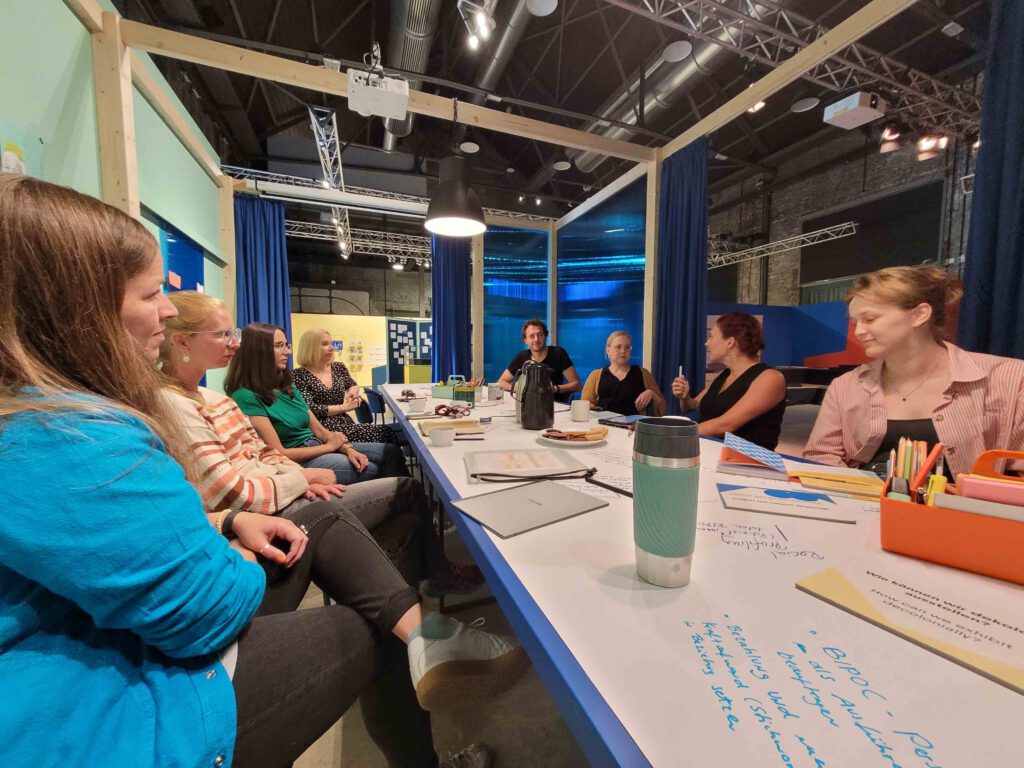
621	387
260	382
132	631
238	470
330	391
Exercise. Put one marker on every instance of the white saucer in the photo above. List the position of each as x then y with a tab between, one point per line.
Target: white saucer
569	443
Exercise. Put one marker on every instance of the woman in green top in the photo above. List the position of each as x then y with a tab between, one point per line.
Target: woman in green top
259	381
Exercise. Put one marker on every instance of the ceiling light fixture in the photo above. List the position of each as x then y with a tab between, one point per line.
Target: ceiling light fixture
677	51
455	210
478	16
561	165
541	7
399	265
510	169
325	183
469	147
522	198
804	104
536	200
757	107
930	146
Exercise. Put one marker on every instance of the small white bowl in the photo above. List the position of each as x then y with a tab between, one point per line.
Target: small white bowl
442	436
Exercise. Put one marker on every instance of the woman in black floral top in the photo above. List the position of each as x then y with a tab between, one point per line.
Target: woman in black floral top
331	392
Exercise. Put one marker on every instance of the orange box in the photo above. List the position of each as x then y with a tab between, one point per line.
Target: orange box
991	546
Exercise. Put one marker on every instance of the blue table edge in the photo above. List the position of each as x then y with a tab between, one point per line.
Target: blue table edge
598	731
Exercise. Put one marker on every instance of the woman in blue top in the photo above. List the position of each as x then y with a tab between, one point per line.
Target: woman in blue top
260	382
127	629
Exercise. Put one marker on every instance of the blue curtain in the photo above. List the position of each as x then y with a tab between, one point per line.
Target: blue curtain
992	317
261	263
450	281
680	326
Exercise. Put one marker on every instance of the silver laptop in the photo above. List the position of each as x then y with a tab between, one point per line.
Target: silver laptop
512	511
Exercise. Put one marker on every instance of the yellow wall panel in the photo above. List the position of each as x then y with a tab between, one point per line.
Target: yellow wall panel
359	334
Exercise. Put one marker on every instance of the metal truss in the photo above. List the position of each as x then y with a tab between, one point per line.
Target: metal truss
725	259
763	31
237	172
325	132
370	242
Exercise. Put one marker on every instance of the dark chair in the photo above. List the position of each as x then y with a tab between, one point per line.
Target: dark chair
363	414
375	405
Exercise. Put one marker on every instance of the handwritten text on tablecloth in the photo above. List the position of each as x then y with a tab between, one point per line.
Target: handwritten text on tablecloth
804	697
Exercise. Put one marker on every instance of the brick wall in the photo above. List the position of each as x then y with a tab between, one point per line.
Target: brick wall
842	172
391	292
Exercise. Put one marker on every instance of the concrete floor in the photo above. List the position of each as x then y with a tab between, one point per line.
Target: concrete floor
524	727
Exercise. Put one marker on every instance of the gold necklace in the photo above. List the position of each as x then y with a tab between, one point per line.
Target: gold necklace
919	385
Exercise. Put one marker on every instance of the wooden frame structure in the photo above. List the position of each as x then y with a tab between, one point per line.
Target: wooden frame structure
117	67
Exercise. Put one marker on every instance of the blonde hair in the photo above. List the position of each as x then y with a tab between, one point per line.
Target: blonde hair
194	309
614	335
908	287
308	353
65	262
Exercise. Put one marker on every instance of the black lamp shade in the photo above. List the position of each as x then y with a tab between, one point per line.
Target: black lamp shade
455	210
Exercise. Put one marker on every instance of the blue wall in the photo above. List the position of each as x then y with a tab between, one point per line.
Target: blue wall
515	290
601	278
794	333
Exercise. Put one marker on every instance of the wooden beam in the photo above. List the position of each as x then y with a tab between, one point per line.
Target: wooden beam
476	306
553	282
541	225
172	117
115	122
287	72
226	195
872	15
651	261
88	12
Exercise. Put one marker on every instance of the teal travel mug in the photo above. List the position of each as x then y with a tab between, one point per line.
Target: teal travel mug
666	474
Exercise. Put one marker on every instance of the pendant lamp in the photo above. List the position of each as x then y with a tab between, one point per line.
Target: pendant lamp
455	210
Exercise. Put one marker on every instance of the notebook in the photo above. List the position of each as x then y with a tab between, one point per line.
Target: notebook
742	457
512	511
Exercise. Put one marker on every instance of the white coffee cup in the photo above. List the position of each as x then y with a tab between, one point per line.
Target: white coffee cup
442	436
579	410
419	405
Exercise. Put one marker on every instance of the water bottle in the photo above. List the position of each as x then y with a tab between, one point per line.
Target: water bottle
666	473
538	397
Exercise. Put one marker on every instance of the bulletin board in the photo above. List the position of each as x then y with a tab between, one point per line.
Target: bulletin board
403	345
363	340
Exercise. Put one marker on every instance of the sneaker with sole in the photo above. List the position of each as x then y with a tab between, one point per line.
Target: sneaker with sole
453	664
460	579
477	755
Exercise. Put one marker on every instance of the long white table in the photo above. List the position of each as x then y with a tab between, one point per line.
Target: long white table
739	668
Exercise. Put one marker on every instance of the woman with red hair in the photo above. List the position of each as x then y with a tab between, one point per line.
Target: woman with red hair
748	398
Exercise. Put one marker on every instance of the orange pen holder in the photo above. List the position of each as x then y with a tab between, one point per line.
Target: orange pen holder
992	546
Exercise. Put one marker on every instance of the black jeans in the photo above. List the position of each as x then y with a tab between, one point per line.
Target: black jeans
299	671
376	501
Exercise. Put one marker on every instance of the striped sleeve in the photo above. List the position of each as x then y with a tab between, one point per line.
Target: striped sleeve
825	445
216	434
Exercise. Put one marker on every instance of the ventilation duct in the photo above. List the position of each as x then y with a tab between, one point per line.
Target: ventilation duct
413	27
665	83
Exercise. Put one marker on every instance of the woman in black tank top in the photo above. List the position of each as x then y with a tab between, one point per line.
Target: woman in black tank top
620	387
748	398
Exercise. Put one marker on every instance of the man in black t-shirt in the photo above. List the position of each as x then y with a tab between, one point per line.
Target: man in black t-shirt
563	372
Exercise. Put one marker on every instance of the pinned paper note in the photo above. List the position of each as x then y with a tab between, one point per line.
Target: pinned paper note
174	279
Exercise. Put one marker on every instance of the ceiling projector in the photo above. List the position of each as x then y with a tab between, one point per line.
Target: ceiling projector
371	94
855	110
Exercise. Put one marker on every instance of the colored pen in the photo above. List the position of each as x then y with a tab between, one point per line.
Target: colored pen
926	467
898	469
892	463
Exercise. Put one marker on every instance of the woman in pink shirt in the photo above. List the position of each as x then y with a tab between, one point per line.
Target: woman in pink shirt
919	385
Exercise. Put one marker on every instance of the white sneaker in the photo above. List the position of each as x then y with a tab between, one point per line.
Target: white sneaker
453	664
